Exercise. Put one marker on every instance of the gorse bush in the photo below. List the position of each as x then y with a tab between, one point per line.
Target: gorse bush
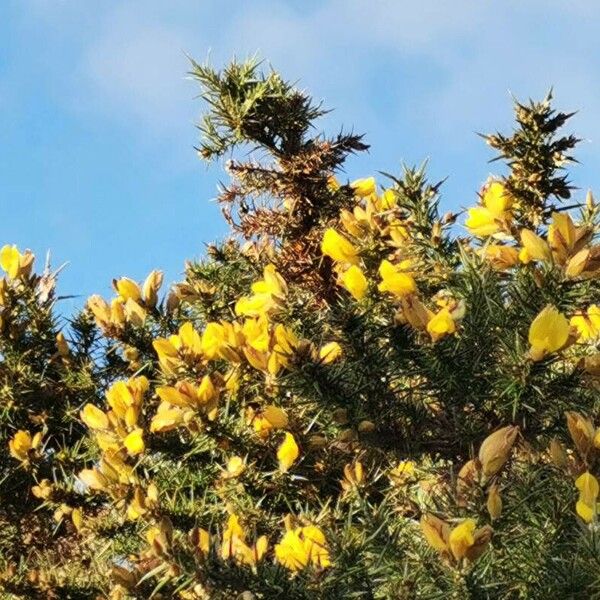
354	396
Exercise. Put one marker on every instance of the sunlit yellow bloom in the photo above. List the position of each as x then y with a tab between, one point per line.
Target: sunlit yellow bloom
166	418
234	544
93	417
461	538
267	295
388	199
287	453
127	288
588	488
269	418
565	238
354	280
586	511
15	264
395	281
22	443
587	323
338	248
489	218
398	232
302	547
351	224
534	248
548	332
441	324
330	352
134	442
364	187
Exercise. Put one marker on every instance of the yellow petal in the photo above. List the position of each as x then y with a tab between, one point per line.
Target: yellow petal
287	452
330	352
588	488
462	538
338	248
10	261
354	280
536	247
549	331
364	187
93	417
134	442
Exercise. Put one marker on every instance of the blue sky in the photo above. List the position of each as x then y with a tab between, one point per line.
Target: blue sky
97	117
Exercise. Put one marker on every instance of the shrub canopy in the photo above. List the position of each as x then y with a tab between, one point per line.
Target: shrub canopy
353	396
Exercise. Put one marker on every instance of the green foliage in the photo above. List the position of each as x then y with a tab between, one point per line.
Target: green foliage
344	373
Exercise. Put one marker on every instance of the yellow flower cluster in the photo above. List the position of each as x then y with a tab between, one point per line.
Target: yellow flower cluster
566	246
374	219
132	304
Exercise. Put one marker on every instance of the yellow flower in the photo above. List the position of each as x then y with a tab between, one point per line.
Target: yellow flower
441	324
587	323
93	479
394	281
166	418
588	488
330	352
287	453
134	442
93	417
388	199
267	295
127	289
490	218
354	280
14	263
21	444
548	332
234	544
270	417
565	238
461	538
534	248
301	547
338	248
364	187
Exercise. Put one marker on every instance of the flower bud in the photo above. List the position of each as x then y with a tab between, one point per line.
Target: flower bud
496	448
558	454
494	502
582	432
